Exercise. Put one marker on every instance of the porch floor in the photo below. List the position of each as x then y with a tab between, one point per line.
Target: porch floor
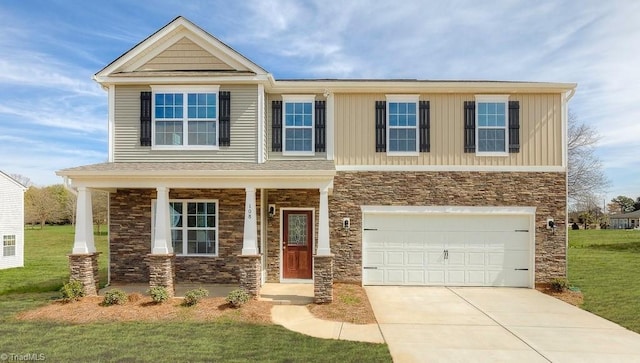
280	294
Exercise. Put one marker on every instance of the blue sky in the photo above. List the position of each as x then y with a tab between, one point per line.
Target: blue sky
53	116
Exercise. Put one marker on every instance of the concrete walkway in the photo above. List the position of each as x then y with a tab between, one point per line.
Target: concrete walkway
291	312
439	324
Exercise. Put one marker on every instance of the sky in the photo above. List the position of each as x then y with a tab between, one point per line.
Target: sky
54	116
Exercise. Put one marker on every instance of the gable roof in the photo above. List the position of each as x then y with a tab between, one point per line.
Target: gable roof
180	35
8	177
635	214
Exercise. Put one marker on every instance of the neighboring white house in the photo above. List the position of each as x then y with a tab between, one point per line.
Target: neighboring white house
11	222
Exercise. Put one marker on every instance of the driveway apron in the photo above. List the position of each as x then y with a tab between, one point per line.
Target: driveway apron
442	324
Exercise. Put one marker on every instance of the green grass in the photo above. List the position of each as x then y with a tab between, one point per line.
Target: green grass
46	265
605	265
46	268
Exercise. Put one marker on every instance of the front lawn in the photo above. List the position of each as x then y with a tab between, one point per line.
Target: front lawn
605	265
226	340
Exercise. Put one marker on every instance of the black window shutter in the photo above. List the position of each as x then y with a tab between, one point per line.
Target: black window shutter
425	127
514	126
276	126
321	119
145	118
469	126
381	126
224	138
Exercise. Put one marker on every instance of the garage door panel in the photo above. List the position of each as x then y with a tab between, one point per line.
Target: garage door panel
374	258
394	258
415	258
481	250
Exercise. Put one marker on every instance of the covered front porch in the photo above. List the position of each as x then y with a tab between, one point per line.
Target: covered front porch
205	223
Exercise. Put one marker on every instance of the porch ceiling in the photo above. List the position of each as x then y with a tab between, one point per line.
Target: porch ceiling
297	174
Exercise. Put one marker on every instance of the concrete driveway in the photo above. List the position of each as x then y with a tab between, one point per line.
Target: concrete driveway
440	324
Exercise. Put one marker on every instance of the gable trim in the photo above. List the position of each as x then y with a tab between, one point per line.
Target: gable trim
178	22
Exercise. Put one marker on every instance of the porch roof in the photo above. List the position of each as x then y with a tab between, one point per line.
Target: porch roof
630	215
272	174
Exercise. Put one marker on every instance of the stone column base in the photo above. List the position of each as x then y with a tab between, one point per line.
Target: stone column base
250	274
84	268
322	279
162	272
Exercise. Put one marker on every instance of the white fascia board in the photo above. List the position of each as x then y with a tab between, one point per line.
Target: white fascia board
182	80
205	183
416	86
506	168
453	210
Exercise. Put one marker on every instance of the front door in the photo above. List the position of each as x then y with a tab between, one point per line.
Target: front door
297	244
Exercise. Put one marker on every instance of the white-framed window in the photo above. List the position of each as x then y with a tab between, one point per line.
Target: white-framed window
402	125
194	226
9	245
298	126
492	123
185	117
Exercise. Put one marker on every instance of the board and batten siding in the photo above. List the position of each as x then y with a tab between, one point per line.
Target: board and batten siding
540	132
11	220
244	109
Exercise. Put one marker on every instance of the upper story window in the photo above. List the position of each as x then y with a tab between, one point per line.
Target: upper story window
402	125
492	125
185	117
9	245
297	131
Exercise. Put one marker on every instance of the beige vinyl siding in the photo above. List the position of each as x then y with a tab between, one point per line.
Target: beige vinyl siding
269	132
184	55
540	132
244	103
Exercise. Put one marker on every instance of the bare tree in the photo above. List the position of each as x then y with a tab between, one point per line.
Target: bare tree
22	179
586	177
40	206
99	201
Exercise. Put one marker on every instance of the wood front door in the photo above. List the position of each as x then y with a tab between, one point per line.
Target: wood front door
297	244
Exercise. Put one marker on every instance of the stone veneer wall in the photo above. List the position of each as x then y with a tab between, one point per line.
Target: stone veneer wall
545	191
130	236
287	198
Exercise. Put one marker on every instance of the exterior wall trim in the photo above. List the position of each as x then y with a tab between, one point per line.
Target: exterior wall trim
501	168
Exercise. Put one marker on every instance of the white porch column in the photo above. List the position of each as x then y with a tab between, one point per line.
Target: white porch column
83	240
250	237
324	248
161	244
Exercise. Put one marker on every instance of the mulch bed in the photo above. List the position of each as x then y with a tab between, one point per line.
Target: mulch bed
142	308
350	304
568	296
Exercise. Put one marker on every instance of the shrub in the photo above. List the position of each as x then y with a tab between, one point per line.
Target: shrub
114	297
238	297
193	296
72	291
159	294
559	284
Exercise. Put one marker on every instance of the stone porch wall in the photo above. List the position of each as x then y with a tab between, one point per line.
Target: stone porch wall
545	191
130	236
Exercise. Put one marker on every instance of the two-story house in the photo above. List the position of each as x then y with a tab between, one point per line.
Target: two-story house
219	173
11	222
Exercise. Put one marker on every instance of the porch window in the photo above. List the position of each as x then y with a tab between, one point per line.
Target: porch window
9	245
194	227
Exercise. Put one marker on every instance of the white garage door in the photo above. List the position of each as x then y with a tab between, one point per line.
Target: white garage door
447	250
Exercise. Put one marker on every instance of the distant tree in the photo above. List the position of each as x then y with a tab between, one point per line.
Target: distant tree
99	201
585	175
22	179
625	204
69	208
40	206
636	205
589	213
